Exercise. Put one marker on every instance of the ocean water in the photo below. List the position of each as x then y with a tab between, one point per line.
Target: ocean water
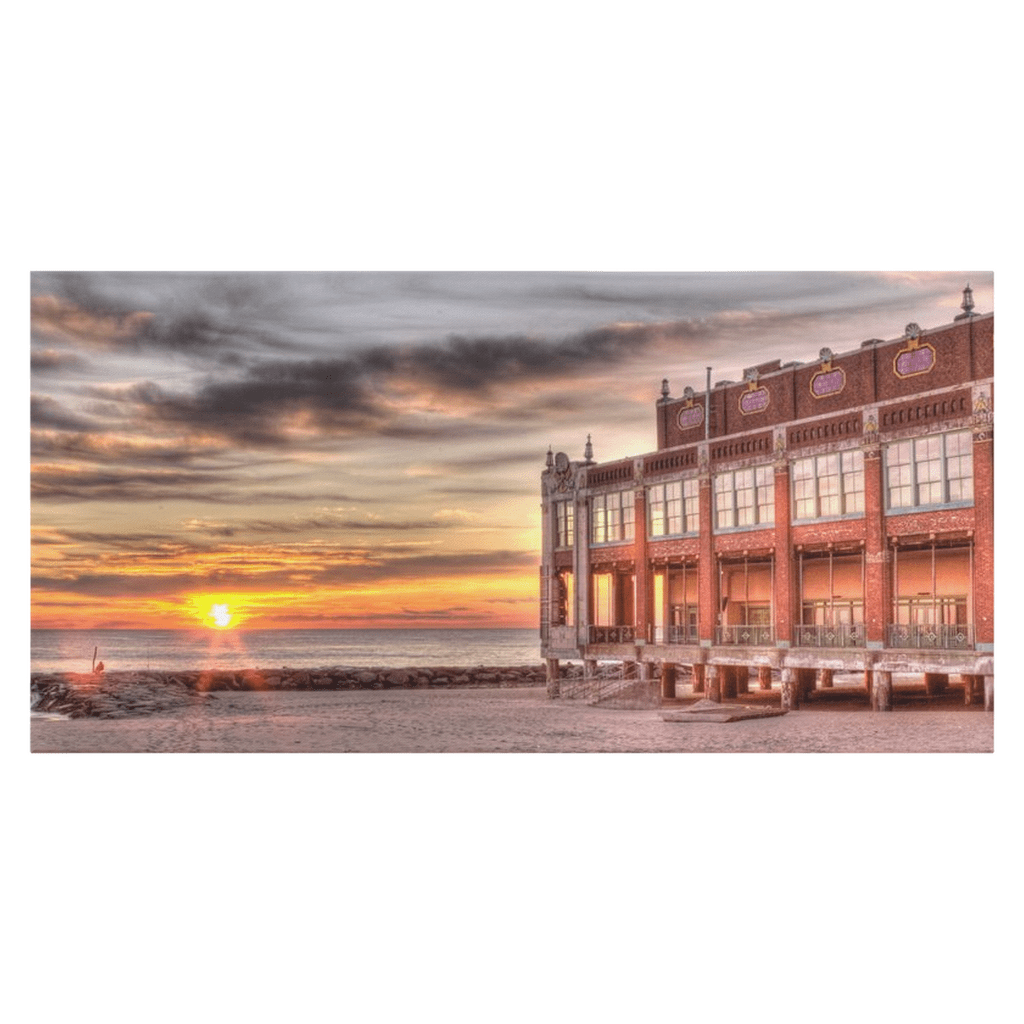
71	650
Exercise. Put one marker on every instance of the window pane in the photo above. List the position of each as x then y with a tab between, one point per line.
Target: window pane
628	513
691	504
598	520
724	515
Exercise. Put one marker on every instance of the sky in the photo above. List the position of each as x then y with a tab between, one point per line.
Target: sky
363	449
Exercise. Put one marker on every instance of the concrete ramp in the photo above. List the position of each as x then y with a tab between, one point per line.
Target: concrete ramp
711	711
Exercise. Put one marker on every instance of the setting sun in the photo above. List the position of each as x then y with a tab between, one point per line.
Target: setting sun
219	616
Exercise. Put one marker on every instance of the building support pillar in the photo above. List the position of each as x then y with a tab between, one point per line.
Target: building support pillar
806	678
825	678
713	682
552	673
968	681
668	680
764	677
699	672
881	695
790	690
990	692
743	679
727	675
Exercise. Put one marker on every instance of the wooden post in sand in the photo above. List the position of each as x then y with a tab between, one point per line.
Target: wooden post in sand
764	677
713	682
790	690
668	680
881	695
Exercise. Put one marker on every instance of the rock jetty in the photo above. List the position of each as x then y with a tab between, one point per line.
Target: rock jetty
127	694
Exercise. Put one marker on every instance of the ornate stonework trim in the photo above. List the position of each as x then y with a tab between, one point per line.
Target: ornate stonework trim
829	380
754	399
690	416
917	358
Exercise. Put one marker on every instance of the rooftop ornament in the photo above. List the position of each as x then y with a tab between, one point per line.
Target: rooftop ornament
967	305
588	451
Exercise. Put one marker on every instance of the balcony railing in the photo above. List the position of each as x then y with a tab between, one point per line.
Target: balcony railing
683	635
611	634
944	637
747	636
845	635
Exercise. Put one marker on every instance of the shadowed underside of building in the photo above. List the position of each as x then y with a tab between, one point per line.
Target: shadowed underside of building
833	516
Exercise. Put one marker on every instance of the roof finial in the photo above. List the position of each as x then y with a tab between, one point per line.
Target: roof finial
664	388
551	458
968	304
588	450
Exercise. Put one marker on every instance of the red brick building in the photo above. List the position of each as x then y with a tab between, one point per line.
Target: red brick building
813	518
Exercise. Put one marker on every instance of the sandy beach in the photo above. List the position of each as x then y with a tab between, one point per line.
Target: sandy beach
517	720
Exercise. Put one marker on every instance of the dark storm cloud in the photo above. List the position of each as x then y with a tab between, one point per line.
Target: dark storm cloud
482	364
350	395
217	317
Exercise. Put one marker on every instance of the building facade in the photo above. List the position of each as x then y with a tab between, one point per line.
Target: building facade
813	518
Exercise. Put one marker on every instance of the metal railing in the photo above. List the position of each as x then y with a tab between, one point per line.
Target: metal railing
747	636
844	635
611	634
613	686
942	637
683	635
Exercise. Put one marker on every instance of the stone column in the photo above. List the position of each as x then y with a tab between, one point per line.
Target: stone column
790	690
764	677
990	692
713	682
881	699
552	677
825	678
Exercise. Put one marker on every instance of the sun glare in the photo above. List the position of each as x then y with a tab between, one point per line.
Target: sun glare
219	616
